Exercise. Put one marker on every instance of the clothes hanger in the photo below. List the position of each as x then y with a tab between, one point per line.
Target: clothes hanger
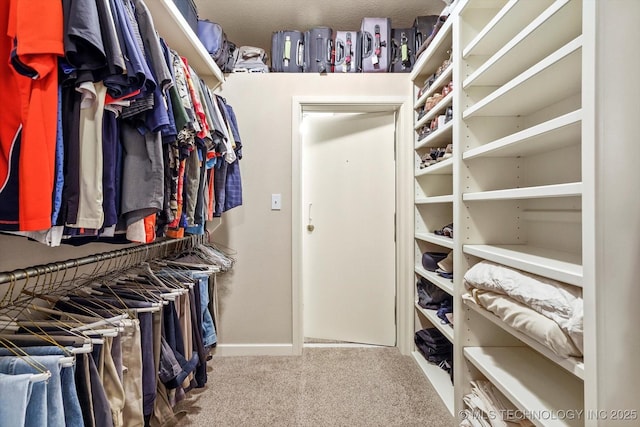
80	341
7	298
176	285
66	361
43	373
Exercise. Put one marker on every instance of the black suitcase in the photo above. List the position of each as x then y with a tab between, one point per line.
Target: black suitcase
423	26
318	45
189	10
403	51
376	45
287	52
346	46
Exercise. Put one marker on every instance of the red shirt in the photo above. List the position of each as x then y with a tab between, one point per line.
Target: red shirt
30	44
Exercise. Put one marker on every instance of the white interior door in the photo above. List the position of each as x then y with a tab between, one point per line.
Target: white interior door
348	260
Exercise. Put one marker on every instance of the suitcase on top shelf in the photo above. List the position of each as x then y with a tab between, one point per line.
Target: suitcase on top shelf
376	45
403	51
250	59
423	26
346	46
189	11
214	39
318	45
287	52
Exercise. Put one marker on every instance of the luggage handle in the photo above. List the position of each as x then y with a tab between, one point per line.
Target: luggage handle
319	48
404	50
340	52
379	42
300	53
367	44
286	53
349	52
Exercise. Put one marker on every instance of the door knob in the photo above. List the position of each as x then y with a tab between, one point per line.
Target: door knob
310	226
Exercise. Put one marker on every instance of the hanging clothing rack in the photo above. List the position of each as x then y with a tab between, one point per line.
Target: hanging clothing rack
141	254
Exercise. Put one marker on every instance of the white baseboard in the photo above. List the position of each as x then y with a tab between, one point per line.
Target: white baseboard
222	350
342	345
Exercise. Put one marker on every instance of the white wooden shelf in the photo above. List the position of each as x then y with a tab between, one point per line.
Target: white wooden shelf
438	378
173	28
438	83
559	265
437	109
445	242
437	50
504	26
444	284
432	316
444	167
434	199
548	136
438	138
531	382
556	25
549	81
543	191
573	365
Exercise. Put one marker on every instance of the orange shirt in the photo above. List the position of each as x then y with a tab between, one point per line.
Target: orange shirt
30	44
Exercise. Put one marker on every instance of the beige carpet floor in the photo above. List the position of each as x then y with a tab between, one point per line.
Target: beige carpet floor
336	386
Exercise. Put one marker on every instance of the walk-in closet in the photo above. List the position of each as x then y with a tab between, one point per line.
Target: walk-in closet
331	213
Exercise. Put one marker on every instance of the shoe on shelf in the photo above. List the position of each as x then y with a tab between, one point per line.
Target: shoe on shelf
446	231
448	152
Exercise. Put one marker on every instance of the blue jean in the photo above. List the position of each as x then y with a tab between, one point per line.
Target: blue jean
15	391
72	410
45	408
209	337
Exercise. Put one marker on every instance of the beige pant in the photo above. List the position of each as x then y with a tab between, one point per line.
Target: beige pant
132	412
111	382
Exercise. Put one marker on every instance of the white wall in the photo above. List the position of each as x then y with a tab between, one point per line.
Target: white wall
256	298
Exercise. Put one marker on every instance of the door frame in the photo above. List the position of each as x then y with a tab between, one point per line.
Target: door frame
404	197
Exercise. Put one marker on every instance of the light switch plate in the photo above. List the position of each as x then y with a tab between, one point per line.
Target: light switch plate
276	202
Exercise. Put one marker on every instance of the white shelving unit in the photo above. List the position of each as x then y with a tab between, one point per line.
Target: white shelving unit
541	100
520	185
173	28
434	195
542	175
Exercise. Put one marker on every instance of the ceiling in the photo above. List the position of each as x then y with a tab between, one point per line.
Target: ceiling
251	22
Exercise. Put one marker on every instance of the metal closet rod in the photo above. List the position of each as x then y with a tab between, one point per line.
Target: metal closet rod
151	249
